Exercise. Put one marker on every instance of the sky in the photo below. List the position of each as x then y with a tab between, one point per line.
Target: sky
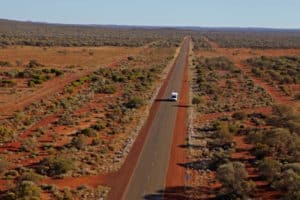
204	13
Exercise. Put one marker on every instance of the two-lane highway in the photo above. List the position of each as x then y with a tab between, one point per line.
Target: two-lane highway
150	172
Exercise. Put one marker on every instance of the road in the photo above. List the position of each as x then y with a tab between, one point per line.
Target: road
151	169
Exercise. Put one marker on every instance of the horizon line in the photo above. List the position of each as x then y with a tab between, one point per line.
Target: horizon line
151	26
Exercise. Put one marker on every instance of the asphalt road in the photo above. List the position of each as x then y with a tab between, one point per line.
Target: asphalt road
150	173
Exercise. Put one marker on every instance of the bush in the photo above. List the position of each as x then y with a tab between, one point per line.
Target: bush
239	115
7	83
6	134
197	100
134	102
34	63
78	142
260	150
219	158
99	126
88	132
290	182
107	89
26	190
53	166
233	179
270	169
5	64
4	164
29	144
297	96
30	176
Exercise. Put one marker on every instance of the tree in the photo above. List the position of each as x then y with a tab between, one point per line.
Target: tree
233	179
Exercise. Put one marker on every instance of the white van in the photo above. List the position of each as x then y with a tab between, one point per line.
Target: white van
174	96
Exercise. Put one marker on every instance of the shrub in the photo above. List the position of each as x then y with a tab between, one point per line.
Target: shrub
107	89
290	181
233	179
88	132
34	63
29	144
223	134
30	176
53	166
4	164
219	158
99	126
297	96
5	64
7	83
260	150
197	100
239	115
6	133
134	102
270	169
78	142
26	190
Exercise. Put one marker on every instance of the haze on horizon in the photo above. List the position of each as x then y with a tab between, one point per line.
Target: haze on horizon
203	13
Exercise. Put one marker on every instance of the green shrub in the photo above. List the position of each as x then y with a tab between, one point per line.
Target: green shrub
197	100
270	169
239	115
4	164
260	150
53	166
29	144
297	96
290	182
99	126
30	176
134	102
26	190
88	132
107	89
5	64
78	142
233	176
7	83
6	134
34	63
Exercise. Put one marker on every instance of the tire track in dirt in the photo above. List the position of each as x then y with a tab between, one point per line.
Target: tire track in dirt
275	93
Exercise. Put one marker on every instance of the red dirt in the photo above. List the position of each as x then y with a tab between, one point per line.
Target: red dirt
50	87
118	181
176	174
244	53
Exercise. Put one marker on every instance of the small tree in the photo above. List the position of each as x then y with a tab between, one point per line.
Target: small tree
233	178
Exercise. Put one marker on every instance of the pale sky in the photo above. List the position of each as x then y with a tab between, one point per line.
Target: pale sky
211	13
